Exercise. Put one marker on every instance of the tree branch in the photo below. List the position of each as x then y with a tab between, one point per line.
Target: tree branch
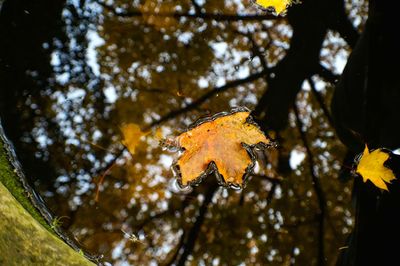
256	51
327	74
176	253
271	179
206	96
320	101
170	210
271	193
317	188
189	243
197	7
340	22
299	63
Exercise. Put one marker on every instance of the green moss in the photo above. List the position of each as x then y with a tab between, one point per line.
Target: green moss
25	236
11	182
24	241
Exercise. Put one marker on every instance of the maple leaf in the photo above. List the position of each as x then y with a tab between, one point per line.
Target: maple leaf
279	5
132	135
224	144
371	167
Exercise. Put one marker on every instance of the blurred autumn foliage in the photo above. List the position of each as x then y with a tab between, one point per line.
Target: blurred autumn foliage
73	77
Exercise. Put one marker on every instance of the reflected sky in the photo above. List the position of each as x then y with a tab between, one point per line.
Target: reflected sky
108	70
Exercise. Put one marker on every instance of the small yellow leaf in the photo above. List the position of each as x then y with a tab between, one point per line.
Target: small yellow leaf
158	135
132	134
371	167
279	5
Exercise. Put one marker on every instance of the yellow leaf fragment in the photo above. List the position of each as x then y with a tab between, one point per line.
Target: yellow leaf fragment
158	135
371	167
132	135
279	5
220	141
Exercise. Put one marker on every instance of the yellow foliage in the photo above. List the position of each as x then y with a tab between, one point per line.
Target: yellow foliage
371	167
158	134
132	135
159	14
279	5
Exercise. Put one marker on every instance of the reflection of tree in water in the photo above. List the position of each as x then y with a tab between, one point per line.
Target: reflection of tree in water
72	77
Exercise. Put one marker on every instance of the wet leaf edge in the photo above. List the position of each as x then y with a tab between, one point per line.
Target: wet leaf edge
212	168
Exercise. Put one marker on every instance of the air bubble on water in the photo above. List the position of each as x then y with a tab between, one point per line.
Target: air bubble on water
235	187
169	148
175	187
258	149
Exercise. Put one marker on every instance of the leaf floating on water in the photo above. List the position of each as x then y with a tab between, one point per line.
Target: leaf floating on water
278	5
224	144
371	167
132	135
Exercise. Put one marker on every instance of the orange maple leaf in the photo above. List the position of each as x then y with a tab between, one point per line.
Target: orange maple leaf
223	144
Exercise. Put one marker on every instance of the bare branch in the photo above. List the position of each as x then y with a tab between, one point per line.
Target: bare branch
317	188
255	48
341	23
188	245
271	193
320	101
300	62
207	96
171	210
197	7
172	260
327	74
257	52
269	178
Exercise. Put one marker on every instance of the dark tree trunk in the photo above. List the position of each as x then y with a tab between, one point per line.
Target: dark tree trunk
365	109
310	22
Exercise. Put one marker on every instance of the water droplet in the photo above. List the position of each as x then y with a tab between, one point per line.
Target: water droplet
235	187
258	149
175	187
